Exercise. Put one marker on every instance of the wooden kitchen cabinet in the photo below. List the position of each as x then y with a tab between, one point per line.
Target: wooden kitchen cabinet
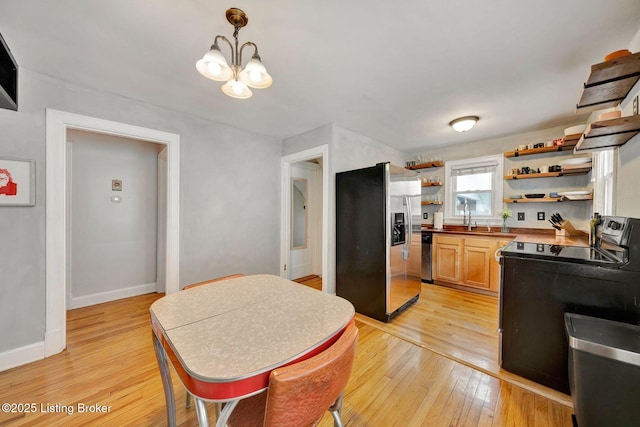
414	266
468	261
446	258
476	262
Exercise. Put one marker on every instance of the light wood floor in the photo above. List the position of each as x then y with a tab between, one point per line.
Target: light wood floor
110	361
461	326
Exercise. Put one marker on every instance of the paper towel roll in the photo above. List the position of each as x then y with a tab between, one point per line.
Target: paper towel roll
438	220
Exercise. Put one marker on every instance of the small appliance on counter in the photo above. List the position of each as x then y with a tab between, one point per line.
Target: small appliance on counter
542	282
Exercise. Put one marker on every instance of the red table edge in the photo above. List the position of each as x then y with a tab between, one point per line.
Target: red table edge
234	389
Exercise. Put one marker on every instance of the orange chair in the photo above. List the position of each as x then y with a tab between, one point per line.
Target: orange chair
187	402
299	394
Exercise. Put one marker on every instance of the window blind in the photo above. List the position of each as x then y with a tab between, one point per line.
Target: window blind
474	169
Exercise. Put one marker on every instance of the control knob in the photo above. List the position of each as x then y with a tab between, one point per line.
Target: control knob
615	225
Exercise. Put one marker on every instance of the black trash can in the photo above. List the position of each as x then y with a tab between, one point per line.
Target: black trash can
604	371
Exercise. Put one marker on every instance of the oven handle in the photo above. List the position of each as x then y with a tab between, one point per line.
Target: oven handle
498	253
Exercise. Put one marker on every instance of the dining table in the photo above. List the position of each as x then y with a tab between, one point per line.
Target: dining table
224	338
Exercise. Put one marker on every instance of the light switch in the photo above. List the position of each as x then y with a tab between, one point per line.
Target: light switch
116	199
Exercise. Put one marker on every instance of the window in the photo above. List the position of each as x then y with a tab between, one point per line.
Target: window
476	184
603	181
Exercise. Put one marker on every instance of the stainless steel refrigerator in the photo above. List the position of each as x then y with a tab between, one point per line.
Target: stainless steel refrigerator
378	239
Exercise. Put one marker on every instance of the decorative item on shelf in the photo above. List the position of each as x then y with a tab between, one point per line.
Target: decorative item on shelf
214	66
505	214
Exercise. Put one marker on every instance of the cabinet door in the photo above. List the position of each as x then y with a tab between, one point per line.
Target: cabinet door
446	258
477	255
414	265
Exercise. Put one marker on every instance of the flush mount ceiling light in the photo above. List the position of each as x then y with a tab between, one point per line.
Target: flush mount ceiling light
463	124
214	66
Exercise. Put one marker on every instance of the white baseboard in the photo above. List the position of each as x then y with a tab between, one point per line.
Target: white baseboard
99	298
21	356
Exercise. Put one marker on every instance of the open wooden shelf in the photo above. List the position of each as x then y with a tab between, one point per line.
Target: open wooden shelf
426	165
576	171
609	133
568	145
431	203
546	200
432	184
610	82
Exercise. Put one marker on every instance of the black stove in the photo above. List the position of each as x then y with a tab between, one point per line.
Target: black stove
612	258
542	282
616	238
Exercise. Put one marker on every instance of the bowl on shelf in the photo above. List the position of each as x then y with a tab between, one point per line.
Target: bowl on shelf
617	54
610	115
534	196
576	161
575	129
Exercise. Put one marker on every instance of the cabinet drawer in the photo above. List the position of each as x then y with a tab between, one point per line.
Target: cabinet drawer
447	240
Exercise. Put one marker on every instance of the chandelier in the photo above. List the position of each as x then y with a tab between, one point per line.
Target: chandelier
214	66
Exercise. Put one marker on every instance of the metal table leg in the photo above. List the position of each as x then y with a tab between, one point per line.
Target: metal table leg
161	356
226	413
222	415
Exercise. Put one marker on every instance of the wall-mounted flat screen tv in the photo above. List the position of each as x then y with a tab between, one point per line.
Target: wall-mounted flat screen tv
8	78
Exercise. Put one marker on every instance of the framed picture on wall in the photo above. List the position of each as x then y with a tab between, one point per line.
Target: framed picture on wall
17	182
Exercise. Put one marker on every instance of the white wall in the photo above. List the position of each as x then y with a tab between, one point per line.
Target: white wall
578	212
112	245
230	191
347	150
627	200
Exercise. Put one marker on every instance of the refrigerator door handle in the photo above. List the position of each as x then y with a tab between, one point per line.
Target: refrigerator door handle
406	252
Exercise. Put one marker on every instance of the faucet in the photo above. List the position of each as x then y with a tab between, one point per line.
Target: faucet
466	220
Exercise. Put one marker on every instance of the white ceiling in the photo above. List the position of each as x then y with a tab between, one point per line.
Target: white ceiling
396	75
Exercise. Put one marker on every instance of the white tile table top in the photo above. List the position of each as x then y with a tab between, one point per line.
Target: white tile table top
239	327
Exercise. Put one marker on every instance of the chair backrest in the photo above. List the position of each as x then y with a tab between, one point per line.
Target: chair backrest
299	394
206	282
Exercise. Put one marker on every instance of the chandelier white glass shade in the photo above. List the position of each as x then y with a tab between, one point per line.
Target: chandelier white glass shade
214	65
463	124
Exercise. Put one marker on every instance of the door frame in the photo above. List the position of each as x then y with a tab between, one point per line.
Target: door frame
57	123
285	209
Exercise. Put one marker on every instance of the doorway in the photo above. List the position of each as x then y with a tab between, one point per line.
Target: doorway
114	189
57	124
310	250
306	219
